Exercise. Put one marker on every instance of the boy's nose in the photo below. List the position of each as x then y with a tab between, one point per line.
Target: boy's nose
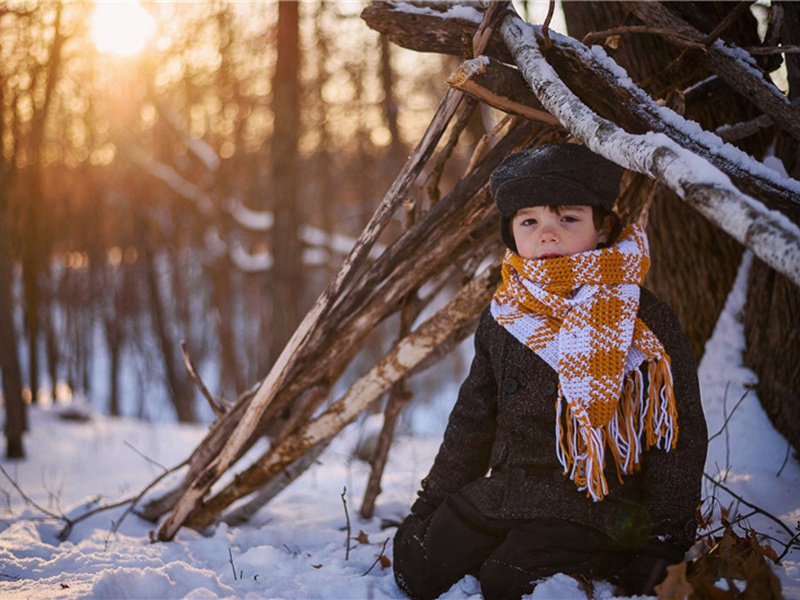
547	233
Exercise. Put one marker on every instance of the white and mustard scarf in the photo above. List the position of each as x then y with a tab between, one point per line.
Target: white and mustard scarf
579	314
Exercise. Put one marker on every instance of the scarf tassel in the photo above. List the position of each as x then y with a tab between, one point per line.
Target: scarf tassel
645	418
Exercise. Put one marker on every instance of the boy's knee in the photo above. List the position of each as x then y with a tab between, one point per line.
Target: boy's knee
502	581
411	568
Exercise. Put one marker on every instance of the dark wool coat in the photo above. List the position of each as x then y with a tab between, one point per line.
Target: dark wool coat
503	424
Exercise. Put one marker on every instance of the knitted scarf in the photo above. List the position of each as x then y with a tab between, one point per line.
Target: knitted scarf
579	314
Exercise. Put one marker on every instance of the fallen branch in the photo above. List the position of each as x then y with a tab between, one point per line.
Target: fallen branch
378	559
409	352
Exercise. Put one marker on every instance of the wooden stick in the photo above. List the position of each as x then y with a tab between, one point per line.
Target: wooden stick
187	361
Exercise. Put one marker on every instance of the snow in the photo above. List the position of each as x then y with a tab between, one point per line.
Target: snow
454	11
295	546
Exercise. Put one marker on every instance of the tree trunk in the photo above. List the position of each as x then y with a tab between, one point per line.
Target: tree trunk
181	392
9	361
287	282
772	312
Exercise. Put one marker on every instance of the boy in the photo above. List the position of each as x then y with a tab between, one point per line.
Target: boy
581	403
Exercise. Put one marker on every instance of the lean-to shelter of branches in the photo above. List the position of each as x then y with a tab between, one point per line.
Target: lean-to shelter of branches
553	87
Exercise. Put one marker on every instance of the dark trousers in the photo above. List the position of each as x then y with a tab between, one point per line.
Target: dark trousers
507	556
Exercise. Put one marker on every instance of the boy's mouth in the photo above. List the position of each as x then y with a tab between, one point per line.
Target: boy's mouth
550	255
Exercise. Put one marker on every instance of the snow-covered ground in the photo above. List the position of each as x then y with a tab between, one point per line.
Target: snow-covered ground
295	546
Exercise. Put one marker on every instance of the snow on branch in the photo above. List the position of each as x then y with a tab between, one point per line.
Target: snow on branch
197	146
733	64
769	234
176	182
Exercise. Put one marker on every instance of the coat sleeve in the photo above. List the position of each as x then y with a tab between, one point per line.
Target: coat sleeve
464	453
673	480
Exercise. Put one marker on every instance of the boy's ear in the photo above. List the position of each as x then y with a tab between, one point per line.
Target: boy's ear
605	230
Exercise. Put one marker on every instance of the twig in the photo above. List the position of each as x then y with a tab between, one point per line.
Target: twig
64	534
150	486
548	43
9	576
669	34
729	19
144	456
455	134
365	573
230	560
728	417
792	541
218	409
738	131
785	458
751	505
29	500
765	51
347	518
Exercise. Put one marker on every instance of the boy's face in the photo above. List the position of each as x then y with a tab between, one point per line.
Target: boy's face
541	233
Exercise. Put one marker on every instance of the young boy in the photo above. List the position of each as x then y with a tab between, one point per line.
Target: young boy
581	404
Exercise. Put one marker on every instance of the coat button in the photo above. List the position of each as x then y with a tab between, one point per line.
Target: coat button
549	388
518	474
510	385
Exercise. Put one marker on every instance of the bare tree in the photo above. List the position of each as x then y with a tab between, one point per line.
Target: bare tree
286	281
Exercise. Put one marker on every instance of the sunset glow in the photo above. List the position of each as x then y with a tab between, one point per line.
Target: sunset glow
121	27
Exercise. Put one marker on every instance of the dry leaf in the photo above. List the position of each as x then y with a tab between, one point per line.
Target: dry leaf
385	562
362	538
64	586
675	586
317	566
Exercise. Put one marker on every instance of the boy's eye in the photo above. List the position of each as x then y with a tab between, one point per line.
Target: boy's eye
570	219
529	222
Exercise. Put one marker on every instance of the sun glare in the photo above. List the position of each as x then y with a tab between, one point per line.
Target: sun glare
121	27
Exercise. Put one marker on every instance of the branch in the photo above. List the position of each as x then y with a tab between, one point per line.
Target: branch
607	90
499	86
218	409
773	518
729	64
598	36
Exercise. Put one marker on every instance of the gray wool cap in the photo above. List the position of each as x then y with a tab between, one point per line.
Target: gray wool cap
553	175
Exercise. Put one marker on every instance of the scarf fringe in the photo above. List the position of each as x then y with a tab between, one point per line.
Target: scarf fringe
644	419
